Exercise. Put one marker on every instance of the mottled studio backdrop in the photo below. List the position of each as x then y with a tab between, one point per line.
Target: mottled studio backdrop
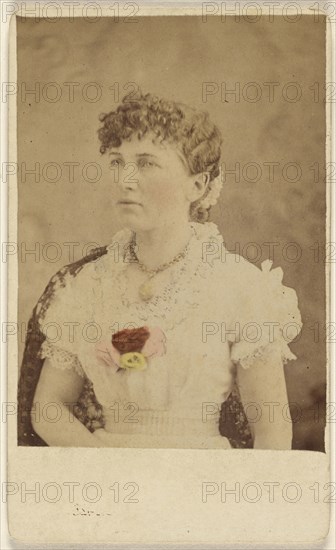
274	140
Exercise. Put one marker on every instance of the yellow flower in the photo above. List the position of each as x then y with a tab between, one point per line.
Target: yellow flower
133	360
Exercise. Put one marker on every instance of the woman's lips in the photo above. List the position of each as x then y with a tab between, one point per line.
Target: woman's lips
129	202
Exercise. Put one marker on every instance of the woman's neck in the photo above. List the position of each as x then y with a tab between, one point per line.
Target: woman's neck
162	244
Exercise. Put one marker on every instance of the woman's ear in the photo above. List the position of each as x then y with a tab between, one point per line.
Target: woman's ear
199	185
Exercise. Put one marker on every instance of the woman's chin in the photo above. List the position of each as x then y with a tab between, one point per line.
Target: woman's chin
129	215
132	219
133	222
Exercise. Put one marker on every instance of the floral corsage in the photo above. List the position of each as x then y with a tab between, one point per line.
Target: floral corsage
132	348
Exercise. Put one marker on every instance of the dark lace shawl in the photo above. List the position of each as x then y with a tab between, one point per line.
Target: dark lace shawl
233	423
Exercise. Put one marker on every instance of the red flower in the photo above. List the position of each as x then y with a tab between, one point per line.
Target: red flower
144	343
130	339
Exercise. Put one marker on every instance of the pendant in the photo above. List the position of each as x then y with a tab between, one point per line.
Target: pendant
146	291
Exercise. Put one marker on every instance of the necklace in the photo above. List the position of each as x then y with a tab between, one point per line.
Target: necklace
146	290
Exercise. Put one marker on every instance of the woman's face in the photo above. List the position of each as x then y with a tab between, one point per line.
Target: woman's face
153	185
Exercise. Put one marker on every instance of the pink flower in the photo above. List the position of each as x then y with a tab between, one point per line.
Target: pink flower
153	346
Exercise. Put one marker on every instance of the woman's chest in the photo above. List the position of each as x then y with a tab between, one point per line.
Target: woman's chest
194	362
169	299
193	351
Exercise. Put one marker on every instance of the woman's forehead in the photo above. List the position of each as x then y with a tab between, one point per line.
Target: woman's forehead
146	145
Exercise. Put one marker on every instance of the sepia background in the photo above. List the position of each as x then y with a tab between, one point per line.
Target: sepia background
175	57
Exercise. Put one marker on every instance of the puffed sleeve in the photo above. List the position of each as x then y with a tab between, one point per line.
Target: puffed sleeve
267	316
61	320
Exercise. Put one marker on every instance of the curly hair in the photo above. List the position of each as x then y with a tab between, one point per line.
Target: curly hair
192	131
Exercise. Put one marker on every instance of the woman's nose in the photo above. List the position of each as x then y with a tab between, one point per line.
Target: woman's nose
129	176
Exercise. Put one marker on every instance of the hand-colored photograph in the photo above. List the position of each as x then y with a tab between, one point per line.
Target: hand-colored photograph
171	236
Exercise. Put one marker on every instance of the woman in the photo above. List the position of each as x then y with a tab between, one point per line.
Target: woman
165	323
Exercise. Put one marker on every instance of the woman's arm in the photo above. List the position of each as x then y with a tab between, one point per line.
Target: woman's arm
264	396
59	387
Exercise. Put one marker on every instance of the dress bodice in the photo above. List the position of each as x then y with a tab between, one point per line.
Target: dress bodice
214	308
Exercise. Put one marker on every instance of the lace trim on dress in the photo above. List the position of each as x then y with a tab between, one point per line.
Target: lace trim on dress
273	305
246	361
60	358
188	279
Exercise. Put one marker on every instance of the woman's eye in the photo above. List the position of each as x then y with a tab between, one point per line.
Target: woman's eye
146	164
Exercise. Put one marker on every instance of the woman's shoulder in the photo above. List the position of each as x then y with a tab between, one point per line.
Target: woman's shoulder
98	262
263	310
240	282
234	269
256	288
251	298
64	289
74	283
228	264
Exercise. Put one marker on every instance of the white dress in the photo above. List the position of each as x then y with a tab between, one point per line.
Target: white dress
215	309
